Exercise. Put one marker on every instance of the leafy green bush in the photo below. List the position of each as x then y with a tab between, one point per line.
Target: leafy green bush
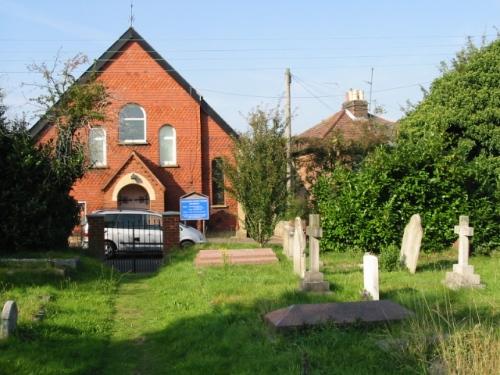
445	163
389	258
36	210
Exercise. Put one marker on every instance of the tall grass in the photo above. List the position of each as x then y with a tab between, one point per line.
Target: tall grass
442	340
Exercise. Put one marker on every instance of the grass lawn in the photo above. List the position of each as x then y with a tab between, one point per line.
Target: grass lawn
184	320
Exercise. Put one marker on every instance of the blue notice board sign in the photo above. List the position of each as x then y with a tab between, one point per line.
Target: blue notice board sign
194	206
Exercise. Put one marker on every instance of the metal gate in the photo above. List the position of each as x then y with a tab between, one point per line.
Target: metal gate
133	241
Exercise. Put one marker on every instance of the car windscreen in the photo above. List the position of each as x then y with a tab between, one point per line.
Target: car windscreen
130	221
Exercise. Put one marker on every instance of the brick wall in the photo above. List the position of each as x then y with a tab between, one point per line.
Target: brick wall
134	77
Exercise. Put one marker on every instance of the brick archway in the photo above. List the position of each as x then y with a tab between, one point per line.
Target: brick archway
133	197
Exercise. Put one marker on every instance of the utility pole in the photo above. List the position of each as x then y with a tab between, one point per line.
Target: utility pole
288	82
371	87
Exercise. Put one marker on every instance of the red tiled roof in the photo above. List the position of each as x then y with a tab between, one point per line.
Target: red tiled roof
323	128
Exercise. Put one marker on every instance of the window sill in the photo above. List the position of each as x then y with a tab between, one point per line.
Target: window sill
220	206
138	143
99	167
170	166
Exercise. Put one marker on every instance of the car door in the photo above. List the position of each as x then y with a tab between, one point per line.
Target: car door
131	228
153	233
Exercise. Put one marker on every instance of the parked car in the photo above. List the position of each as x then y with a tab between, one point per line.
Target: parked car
139	231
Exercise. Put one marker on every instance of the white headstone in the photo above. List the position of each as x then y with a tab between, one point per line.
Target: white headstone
370	276
463	273
288	230
299	245
9	319
410	246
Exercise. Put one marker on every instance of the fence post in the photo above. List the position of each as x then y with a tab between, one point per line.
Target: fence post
170	224
96	235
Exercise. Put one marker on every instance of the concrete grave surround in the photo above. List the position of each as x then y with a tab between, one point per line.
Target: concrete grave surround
313	280
9	319
463	275
410	246
298	246
307	315
243	256
370	276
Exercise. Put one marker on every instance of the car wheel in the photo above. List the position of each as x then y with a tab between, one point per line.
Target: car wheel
187	243
109	249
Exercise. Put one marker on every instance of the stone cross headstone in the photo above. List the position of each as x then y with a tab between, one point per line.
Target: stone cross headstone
299	245
410	246
463	273
370	276
9	319
313	279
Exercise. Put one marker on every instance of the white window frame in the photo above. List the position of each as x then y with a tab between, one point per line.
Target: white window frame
143	140
104	148
173	162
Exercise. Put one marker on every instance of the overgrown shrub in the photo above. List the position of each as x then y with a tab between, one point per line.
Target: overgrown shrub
445	163
389	258
36	211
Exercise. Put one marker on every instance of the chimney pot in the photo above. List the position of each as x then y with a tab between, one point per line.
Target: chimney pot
356	103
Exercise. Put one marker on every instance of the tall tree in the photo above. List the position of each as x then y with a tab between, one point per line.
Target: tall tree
445	163
257	173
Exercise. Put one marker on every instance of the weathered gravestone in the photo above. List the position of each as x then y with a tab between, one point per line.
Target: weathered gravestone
463	274
313	280
410	246
370	277
346	313
9	319
288	231
299	245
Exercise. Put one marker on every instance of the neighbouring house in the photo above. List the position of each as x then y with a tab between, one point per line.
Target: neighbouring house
160	141
344	133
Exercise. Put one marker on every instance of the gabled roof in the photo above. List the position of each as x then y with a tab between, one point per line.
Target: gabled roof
324	128
132	35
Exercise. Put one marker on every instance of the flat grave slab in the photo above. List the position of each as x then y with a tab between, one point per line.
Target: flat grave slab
243	256
345	313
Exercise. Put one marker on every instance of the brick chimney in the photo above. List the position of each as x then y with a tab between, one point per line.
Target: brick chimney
355	102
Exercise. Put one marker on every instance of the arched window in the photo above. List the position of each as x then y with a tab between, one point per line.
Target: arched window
168	152
217	182
97	147
132	124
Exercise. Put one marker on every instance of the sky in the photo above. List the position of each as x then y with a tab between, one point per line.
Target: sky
235	52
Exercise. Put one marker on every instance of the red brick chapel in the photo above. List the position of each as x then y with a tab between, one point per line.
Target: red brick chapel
160	140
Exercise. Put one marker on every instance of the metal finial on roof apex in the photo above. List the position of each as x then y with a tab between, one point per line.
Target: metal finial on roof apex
132	18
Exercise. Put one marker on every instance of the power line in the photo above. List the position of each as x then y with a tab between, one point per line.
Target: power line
294	38
302	83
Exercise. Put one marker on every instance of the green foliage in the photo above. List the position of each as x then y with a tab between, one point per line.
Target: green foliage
445	163
36	209
257	173
389	258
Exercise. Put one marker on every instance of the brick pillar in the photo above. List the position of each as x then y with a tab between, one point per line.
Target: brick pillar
96	235
170	230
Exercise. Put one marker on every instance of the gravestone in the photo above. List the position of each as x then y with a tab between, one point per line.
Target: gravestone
299	245
287	239
346	313
410	246
9	319
313	279
463	273
370	276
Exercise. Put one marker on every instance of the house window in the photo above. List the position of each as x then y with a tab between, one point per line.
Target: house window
132	124
168	152
97	146
217	182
